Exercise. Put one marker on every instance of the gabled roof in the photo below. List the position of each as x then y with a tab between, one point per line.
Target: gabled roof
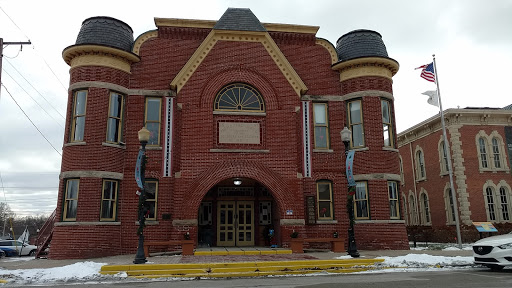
239	19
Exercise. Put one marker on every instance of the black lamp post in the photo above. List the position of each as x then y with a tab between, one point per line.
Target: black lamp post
346	136
140	257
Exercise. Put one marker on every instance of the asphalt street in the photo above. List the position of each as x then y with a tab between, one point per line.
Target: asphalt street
462	277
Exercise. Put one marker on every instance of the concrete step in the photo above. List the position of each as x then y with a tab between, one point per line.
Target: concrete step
241	269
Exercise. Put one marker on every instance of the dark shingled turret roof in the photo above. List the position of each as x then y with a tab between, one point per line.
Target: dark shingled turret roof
239	19
360	43
105	31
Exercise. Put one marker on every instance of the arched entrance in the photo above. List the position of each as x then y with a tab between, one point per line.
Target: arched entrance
236	212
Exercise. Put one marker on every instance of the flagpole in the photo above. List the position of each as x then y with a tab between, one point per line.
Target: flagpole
449	158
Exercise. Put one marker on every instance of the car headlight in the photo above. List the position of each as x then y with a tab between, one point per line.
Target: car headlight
505	246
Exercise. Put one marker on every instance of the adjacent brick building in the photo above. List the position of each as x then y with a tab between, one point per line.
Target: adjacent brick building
479	140
245	120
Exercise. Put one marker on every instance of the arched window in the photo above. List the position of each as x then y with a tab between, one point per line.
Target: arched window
482	152
496	153
449	206
413	213
425	210
239	97
420	164
443	158
401	169
505	204
491	203
491	152
404	208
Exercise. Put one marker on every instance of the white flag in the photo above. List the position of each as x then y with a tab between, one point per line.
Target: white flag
433	99
24	236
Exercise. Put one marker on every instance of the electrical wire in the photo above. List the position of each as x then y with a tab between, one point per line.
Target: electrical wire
34	100
13	22
30	120
47	65
62	116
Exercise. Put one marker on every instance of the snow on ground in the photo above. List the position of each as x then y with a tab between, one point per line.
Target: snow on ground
426	260
89	271
71	273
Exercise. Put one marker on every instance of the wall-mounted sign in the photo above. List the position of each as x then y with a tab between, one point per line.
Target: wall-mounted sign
239	133
289	212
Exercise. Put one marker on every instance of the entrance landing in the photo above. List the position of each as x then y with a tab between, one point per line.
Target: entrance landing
221	251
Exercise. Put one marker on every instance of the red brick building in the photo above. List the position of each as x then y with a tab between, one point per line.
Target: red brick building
479	140
245	120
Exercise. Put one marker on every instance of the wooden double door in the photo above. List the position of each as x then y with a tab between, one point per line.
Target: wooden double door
235	223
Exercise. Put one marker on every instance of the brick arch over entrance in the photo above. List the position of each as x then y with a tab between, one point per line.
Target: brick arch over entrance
238	168
236	74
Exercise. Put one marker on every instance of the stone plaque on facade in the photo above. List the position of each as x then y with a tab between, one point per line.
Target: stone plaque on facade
239	133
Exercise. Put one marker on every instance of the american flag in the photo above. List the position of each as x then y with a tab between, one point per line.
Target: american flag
428	72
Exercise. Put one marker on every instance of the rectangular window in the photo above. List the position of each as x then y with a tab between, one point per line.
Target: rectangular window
71	200
361	201
151	198
153	108
324	194
115	118
109	200
321	126
387	123
355	118
394	212
78	125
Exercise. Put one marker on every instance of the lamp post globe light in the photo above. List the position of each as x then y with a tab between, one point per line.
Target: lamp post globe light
140	257
346	136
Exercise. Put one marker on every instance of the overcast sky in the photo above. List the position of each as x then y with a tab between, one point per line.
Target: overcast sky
472	41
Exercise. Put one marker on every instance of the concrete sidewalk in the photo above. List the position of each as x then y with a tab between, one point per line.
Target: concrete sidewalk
12	263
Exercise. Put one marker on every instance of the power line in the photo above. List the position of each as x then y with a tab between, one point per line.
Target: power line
13	22
47	65
34	99
31	120
34	89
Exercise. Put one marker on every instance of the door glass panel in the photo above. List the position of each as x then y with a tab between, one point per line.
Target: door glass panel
230	217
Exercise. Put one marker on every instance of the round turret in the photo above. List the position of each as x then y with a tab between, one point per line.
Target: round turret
360	43
105	31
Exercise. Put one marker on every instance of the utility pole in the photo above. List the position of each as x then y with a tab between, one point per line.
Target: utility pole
2	52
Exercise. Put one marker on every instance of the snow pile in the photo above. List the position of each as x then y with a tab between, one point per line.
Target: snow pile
425	260
70	273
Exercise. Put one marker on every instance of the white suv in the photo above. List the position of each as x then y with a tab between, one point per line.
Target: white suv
23	249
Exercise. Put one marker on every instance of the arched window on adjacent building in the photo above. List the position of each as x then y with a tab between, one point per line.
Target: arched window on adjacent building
424	208
491	152
497	201
413	213
490	202
421	173
404	208
449	206
401	169
239	97
496	152
505	203
482	152
443	158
